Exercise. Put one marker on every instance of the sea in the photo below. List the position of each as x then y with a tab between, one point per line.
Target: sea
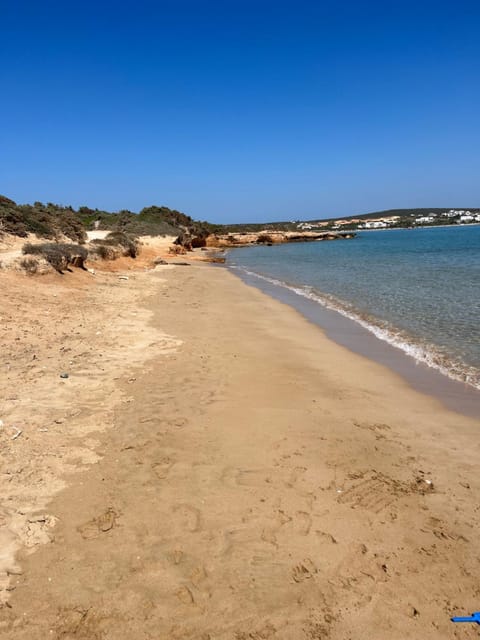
417	290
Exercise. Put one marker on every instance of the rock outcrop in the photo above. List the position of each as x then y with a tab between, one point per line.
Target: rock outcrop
267	237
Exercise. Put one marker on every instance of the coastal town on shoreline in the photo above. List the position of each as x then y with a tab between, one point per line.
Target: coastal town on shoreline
399	220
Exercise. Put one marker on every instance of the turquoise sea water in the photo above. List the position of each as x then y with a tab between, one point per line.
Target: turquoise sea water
417	289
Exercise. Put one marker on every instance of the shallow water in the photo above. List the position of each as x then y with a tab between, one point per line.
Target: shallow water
418	290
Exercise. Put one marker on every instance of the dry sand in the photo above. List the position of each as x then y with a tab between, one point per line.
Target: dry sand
215	468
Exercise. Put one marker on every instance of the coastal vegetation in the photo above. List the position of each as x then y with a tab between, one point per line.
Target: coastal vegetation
53	221
43	220
57	222
105	246
151	221
59	255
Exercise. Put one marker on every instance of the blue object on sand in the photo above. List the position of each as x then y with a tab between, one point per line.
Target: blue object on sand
475	617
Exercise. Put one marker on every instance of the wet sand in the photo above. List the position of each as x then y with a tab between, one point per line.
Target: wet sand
215	467
454	394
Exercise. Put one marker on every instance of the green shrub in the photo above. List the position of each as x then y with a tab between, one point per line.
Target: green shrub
29	264
59	255
126	241
128	245
104	252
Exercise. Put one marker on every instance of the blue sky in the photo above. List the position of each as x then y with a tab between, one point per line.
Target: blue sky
241	111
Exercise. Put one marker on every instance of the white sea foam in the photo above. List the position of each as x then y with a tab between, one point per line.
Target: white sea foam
425	353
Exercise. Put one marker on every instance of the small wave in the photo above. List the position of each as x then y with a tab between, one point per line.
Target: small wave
427	354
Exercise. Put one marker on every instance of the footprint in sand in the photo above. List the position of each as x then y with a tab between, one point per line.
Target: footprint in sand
179	423
247	477
185	595
327	537
303	523
162	467
268	535
176	556
97	526
282	517
237	536
304	570
253	477
187	517
260	561
372	427
198	576
295	475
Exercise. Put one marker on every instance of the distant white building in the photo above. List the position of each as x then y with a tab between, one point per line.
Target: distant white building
375	224
466	218
424	219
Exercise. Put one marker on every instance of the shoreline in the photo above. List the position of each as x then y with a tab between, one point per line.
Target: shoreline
346	331
424	226
253	479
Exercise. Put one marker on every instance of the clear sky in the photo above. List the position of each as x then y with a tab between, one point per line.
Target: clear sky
241	111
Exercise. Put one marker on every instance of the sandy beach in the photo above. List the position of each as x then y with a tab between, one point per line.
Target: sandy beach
213	468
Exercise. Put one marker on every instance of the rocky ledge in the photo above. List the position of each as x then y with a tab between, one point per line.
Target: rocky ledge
272	237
